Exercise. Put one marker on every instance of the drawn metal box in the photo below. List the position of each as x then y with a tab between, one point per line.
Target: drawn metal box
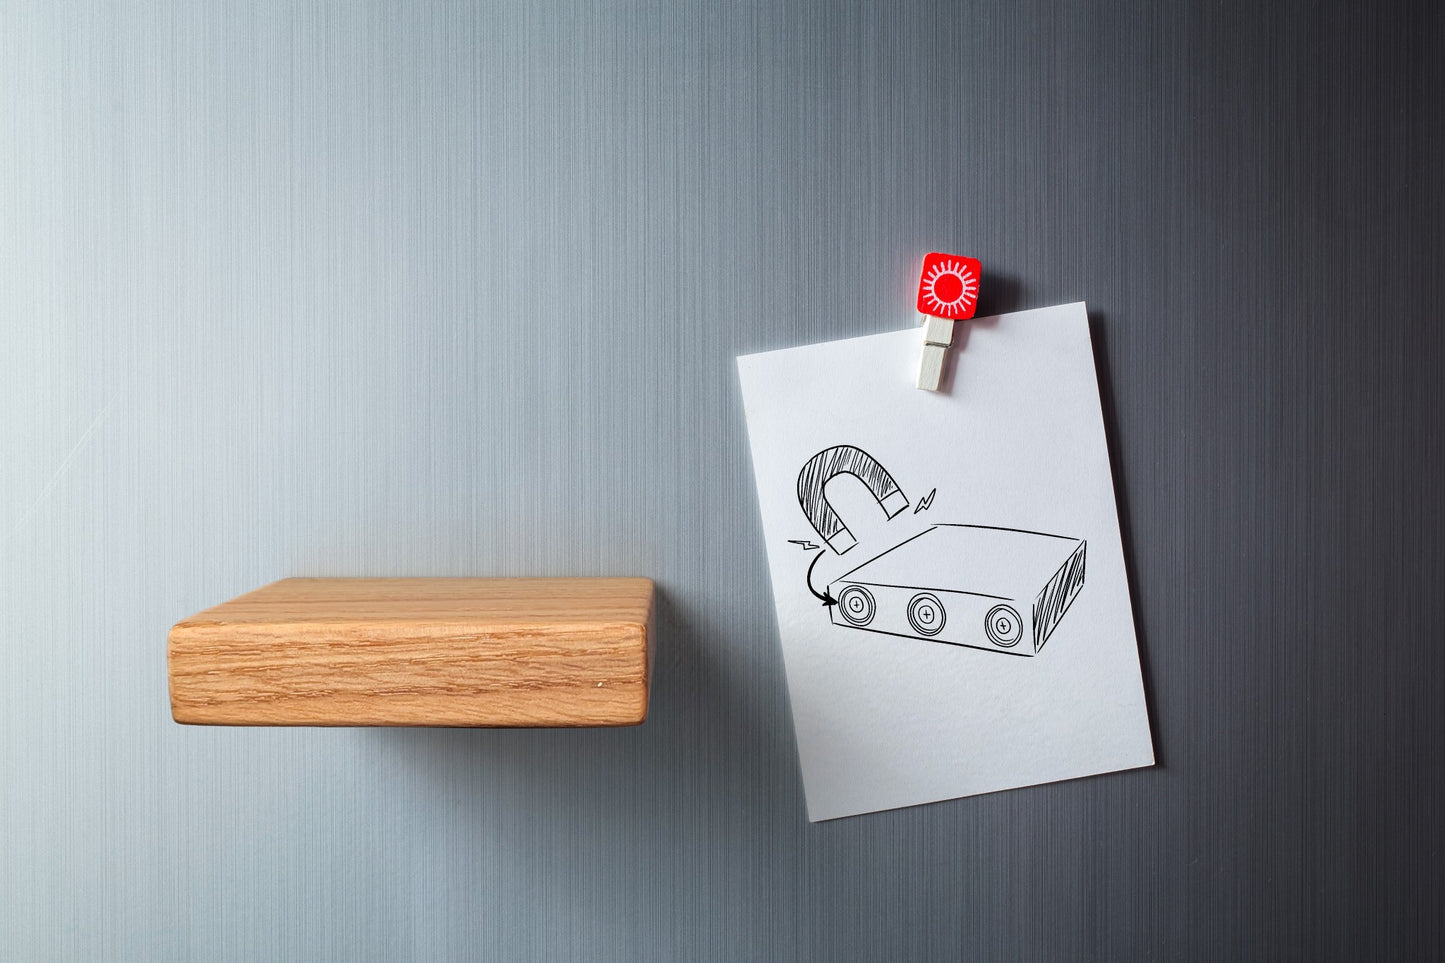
999	589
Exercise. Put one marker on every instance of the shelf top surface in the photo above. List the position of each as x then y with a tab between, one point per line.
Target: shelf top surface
509	601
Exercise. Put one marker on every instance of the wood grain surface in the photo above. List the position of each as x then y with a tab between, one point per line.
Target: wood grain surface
418	652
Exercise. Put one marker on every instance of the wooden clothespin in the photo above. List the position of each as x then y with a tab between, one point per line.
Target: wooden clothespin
947	292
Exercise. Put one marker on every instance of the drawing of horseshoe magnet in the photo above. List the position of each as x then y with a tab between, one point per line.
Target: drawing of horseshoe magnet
829	464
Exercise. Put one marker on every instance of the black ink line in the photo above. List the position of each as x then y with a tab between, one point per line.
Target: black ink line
917	638
1058	595
924	588
827	597
881	554
1000	528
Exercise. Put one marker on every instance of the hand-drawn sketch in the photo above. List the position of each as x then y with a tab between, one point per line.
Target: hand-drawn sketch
925	502
999	587
829	464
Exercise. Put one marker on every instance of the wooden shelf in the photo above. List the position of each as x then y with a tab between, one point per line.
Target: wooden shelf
418	652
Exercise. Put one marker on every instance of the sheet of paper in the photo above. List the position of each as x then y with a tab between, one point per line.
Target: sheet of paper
947	567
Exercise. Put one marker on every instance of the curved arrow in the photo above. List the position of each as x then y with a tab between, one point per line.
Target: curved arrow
826	596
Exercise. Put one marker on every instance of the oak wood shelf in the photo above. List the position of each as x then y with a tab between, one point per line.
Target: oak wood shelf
418	652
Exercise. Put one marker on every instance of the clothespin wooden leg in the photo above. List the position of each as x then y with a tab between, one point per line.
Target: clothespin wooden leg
937	336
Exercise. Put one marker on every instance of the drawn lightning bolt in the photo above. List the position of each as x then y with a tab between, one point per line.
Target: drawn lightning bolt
925	501
807	546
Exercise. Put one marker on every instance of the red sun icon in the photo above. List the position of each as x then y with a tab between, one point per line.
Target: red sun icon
948	287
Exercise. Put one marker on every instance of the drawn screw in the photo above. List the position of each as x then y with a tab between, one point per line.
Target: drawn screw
857	605
925	614
1004	626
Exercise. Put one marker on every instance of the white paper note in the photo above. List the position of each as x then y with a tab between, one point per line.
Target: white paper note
979	635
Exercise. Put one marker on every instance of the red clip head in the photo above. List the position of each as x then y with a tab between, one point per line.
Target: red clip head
949	286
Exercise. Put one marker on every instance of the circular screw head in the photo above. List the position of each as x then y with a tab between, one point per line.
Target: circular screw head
926	614
857	605
1004	626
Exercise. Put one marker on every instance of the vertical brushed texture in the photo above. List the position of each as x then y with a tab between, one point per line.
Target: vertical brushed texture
436	288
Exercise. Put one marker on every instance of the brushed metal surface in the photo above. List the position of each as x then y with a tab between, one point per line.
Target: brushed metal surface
440	289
